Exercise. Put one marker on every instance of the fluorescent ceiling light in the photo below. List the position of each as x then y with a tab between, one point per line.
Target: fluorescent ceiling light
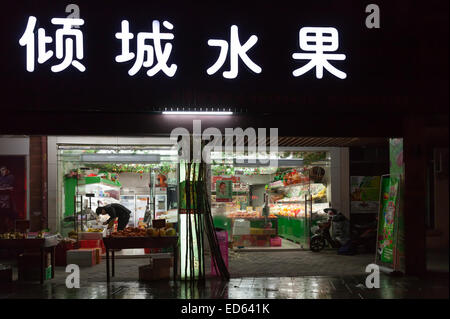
258	163
197	113
249	163
120	158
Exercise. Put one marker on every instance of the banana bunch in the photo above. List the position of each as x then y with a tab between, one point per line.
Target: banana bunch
320	194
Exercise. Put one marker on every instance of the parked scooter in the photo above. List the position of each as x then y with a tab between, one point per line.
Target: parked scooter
322	235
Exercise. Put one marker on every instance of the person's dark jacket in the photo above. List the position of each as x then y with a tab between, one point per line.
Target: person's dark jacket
117	210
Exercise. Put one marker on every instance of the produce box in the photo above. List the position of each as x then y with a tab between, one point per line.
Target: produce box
244	240
269	231
92	235
256	231
263	243
84	257
241	227
149	273
98	254
92	244
161	261
33	274
89	243
5	274
32	260
275	242
60	253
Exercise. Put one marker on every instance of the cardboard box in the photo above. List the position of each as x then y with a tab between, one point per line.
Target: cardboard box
91	235
263	243
149	273
98	254
84	257
60	252
32	260
5	275
269	231
161	262
33	274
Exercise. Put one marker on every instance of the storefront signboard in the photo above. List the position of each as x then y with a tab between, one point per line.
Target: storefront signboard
144	56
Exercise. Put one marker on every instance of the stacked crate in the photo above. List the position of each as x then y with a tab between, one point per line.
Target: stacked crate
29	266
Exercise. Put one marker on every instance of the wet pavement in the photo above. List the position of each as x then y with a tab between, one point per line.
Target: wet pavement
309	287
299	275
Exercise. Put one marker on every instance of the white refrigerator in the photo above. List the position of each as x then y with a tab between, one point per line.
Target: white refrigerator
129	202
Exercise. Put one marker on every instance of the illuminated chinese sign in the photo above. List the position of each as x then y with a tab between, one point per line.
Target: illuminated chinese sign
154	48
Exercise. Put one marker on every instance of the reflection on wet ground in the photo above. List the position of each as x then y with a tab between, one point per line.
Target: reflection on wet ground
312	287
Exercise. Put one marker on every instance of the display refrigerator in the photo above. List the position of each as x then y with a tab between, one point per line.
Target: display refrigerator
141	206
129	202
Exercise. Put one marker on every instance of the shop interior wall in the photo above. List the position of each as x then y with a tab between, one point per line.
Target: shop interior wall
52	146
368	161
18	145
134	183
340	180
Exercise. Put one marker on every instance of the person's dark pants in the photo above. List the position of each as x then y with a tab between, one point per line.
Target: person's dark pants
122	223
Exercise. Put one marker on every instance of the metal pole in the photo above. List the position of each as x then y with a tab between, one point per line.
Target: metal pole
380	208
75	225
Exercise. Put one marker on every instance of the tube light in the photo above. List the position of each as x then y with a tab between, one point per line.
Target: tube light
121	158
197	113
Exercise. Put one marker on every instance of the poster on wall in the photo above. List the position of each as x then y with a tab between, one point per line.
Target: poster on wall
364	194
12	191
234	179
224	190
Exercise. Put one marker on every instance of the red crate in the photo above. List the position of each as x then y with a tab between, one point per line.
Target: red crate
262	243
275	242
61	253
90	243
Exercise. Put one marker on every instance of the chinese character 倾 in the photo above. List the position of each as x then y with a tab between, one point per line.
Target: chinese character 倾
63	43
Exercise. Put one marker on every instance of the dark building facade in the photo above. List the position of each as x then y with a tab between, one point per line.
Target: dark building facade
396	82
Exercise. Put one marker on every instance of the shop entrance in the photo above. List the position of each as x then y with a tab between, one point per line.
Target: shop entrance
266	213
271	214
268	208
142	178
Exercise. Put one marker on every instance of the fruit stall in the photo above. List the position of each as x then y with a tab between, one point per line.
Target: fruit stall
36	253
160	236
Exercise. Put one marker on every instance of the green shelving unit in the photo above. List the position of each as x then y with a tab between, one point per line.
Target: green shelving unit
97	180
293	229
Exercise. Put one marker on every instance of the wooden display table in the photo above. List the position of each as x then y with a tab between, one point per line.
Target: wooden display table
38	244
112	243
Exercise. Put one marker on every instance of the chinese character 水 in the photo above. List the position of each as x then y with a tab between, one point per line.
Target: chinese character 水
236	50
